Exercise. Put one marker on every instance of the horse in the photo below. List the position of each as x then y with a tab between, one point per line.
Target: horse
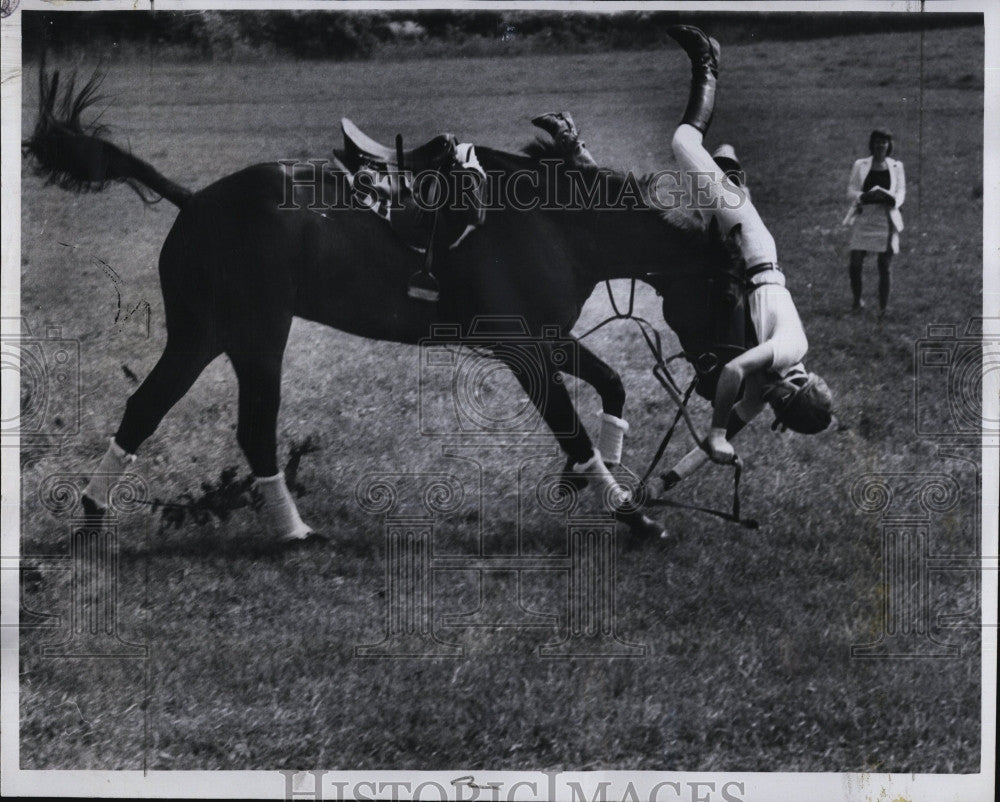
241	260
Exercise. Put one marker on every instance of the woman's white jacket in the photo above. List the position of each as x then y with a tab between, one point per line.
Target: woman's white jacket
897	188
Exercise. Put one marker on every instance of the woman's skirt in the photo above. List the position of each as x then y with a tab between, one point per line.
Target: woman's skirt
873	232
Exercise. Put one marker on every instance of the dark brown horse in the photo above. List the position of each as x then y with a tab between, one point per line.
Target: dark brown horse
239	264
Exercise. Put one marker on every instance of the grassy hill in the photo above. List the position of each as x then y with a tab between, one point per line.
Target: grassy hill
747	634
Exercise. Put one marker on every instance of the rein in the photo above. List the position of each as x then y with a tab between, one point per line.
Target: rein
662	373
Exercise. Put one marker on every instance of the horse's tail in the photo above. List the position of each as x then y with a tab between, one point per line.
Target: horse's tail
73	155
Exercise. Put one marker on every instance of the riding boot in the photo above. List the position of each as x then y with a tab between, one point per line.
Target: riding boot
704	53
560	126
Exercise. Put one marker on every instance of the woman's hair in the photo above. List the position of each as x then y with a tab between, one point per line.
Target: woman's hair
880	133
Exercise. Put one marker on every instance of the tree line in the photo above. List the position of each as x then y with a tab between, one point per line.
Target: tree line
350	35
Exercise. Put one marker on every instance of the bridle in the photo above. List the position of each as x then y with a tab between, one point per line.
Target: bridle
661	371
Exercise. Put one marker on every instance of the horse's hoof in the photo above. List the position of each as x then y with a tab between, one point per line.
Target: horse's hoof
668	540
311	541
92	513
641	527
670	480
578	481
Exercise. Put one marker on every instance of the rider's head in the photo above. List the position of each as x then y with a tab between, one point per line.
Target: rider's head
801	401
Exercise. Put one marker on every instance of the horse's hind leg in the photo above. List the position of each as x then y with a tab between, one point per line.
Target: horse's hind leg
181	363
259	375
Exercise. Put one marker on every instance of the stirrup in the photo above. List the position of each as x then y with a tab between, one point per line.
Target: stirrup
422	286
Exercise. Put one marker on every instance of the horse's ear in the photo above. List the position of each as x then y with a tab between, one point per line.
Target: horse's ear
714	232
735	237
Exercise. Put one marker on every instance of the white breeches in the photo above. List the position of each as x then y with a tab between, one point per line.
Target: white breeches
777	321
713	193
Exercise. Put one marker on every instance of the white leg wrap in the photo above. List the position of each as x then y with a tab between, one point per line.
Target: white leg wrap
281	516
112	465
612	435
615	495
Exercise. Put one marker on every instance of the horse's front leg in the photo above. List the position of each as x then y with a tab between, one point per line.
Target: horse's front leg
536	370
605	380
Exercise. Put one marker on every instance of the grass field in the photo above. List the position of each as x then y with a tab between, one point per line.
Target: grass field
748	633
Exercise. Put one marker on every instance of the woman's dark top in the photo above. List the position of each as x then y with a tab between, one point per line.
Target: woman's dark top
877	178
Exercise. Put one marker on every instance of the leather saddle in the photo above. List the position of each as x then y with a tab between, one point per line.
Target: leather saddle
361	150
414	208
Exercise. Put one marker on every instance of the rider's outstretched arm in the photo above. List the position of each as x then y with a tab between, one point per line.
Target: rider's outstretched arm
697	457
758	358
748	408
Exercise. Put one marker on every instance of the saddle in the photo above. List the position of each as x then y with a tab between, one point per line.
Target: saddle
388	181
424	214
361	150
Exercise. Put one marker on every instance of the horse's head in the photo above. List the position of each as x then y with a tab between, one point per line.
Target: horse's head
684	280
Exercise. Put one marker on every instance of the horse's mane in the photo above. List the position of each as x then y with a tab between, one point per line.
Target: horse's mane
686	221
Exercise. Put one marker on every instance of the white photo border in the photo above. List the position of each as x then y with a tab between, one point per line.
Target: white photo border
529	785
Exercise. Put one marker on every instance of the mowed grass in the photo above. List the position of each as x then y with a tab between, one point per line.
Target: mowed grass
747	633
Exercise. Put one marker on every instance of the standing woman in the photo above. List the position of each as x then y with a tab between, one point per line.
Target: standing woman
876	191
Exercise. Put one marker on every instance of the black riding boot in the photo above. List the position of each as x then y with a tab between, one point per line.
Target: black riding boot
704	52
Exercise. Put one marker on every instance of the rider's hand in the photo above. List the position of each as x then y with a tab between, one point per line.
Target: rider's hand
720	450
